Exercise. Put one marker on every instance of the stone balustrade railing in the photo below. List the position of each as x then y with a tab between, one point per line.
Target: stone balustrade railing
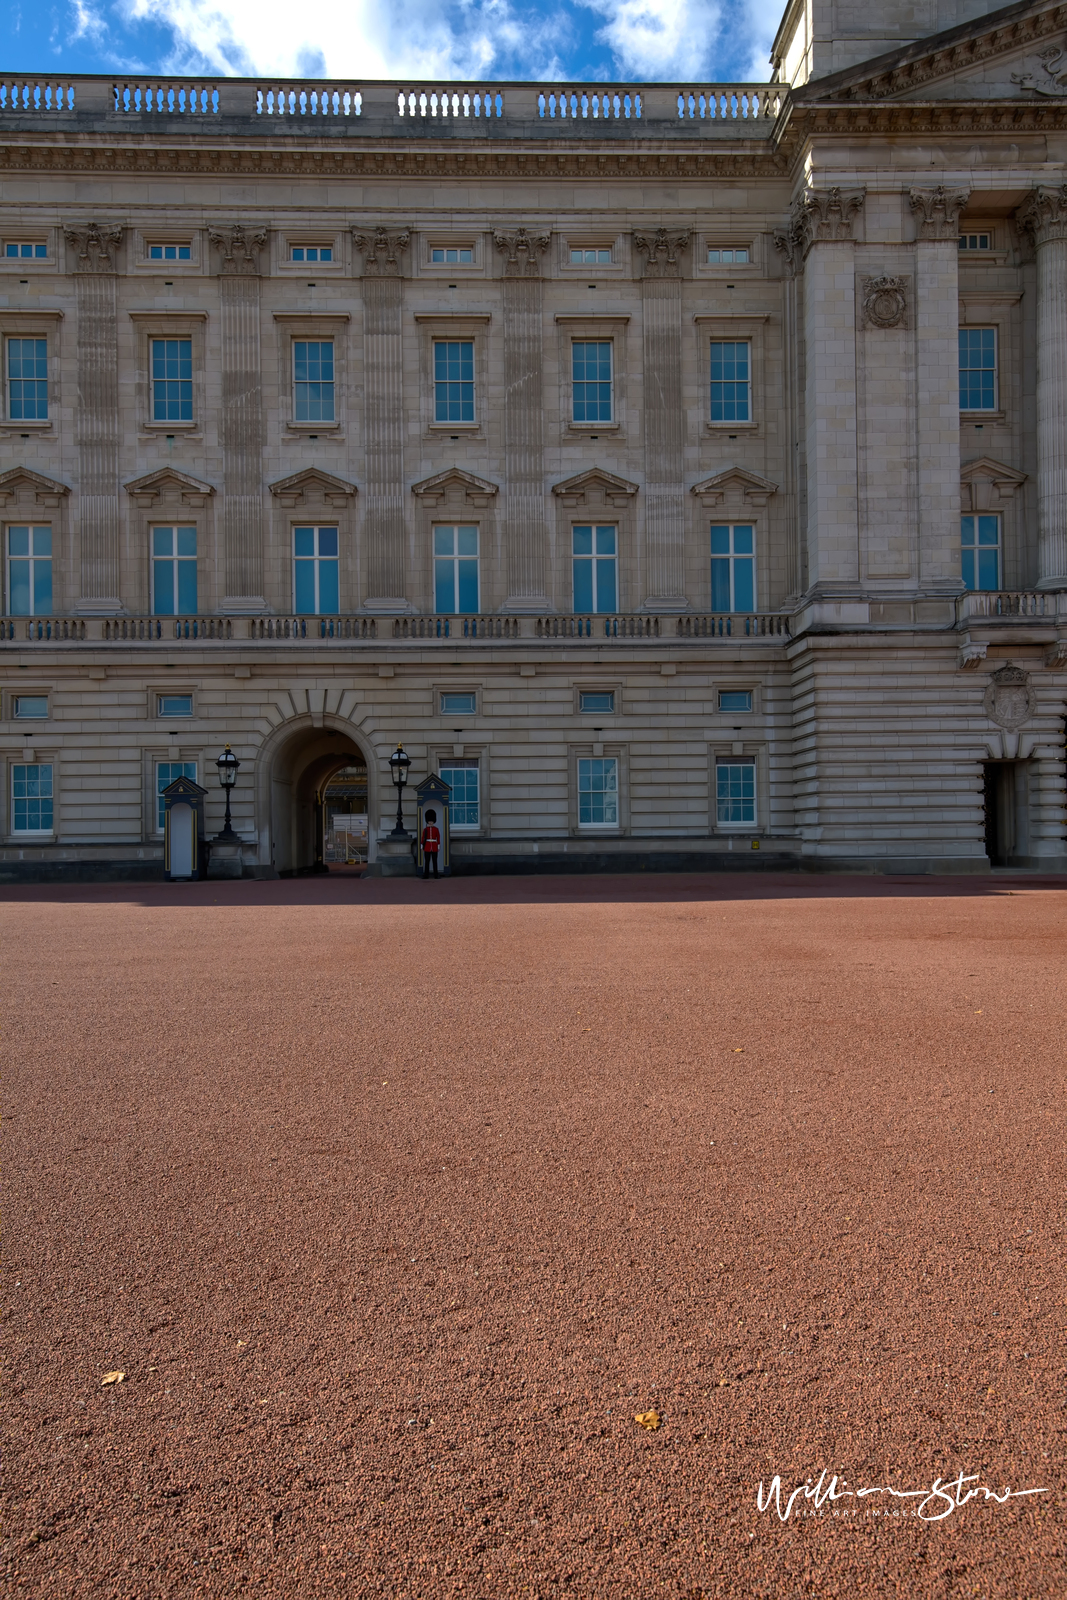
1011	605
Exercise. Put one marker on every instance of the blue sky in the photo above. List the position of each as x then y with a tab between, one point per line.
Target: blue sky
708	41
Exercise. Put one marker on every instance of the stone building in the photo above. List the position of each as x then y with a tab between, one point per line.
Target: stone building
679	470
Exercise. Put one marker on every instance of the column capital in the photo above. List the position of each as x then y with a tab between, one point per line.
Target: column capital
95	246
1043	214
238	250
661	250
522	251
381	250
940	211
818	216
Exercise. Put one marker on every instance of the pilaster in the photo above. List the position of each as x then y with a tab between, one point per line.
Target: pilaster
1043	215
97	429
384	523
524	517
661	320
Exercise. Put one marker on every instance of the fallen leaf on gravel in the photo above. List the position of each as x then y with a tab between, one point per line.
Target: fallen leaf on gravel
739	1050
648	1419
112	1377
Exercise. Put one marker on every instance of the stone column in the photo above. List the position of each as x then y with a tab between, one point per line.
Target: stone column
1044	217
241	434
97	427
664	418
524	461
384	521
937	317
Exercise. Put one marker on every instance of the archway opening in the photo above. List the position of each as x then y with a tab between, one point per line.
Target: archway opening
318	775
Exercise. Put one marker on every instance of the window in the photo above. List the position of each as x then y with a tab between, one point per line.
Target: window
598	792
590	258
31	705
313	380
463	804
727	258
978	369
591	380
731	381
31	798
595	562
451	256
166	772
29	572
976	241
735	792
455	570
593	700
172	380
735	699
733	567
311	252
459	705
453	380
174	572
27	380
174	705
316	584
980	541
25	250
170	252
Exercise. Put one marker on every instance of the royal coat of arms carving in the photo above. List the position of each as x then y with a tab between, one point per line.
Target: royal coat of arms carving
1009	699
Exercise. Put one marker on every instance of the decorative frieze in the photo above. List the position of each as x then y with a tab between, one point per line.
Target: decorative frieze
662	250
522	252
238	249
94	246
381	251
885	301
938	211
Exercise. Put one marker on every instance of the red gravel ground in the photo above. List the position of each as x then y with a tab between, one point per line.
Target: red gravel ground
396	1202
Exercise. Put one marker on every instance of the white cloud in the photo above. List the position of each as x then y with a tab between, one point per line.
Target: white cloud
660	39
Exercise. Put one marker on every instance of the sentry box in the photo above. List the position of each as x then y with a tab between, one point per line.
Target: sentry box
184	850
432	794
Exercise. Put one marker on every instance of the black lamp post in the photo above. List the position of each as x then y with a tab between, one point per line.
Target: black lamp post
399	762
228	765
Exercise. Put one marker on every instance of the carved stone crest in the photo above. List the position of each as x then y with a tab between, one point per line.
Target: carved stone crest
1051	77
940	209
522	251
381	251
95	246
661	250
238	250
1009	700
885	301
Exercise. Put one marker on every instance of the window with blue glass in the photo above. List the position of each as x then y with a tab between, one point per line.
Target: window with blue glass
595	563
174	572
978	369
166	772
733	567
980	552
316	572
591	380
29	571
27	380
313	399
464	808
170	252
453	380
731	381
311	252
31	797
455	570
25	250
598	792
172	380
735	793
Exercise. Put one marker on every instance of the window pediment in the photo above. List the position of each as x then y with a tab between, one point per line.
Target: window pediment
299	487
20	483
986	484
734	483
168	482
479	491
574	491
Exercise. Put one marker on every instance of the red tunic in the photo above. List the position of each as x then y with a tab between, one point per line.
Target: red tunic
431	840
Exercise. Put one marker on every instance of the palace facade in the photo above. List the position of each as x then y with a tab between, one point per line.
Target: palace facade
678	470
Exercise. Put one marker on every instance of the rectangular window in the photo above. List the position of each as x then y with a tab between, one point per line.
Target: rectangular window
735	699
733	567
731	381
590	258
25	250
451	256
31	798
727	258
27	380
598	792
453	380
170	252
980	542
316	572
313	380
593	700
172	380
459	705
455	570
311	252
31	705
975	241
174	572
978	369
595	569
463	805
29	572
174	705
591	380
735	792
166	772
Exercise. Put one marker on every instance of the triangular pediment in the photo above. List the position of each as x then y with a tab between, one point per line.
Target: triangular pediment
734	483
183	486
312	483
594	481
479	491
986	484
21	483
183	789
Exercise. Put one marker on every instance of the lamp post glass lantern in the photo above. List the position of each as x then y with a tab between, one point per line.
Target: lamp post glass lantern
399	762
227	765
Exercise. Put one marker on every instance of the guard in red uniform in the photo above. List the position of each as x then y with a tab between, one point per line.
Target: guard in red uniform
431	844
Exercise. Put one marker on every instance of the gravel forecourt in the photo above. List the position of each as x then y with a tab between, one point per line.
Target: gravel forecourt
396	1203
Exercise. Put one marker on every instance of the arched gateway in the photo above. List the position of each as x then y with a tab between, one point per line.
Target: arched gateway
298	784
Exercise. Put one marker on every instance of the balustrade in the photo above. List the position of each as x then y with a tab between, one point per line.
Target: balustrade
734	625
1007	603
450	104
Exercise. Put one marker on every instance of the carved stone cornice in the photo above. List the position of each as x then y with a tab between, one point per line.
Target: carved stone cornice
1043	215
381	250
661	250
238	250
940	208
95	246
522	251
